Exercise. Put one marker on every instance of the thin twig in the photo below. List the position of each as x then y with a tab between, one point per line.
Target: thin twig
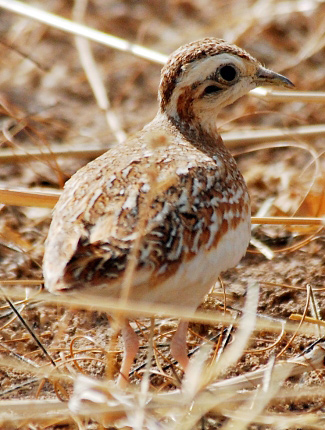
232	139
81	30
30	331
94	77
46	199
123	45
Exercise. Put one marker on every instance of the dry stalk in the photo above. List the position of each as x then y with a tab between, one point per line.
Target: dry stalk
233	139
182	408
300	323
290	96
112	306
89	33
293	287
94	77
32	154
246	326
13	412
273	345
22	282
264	249
26	197
302	242
81	30
29	198
298	317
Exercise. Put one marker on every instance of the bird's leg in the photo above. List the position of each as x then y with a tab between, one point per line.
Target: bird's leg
178	347
131	347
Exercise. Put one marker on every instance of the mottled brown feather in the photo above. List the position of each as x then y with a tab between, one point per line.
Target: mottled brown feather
95	226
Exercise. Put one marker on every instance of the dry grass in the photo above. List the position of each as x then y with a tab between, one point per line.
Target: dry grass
63	101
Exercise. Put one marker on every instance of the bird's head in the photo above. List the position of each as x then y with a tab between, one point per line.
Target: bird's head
204	76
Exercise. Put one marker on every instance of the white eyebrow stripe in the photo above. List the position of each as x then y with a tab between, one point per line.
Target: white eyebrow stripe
199	70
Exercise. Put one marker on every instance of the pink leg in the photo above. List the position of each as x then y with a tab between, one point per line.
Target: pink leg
178	347
131	347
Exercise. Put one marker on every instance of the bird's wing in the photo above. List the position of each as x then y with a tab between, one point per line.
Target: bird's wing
175	203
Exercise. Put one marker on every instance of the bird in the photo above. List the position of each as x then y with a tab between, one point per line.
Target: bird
172	194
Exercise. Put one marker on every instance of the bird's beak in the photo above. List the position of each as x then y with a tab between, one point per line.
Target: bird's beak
268	77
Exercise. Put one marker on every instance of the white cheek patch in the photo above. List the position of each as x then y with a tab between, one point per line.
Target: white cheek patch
199	71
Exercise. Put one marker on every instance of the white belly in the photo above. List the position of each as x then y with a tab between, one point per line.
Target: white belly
194	278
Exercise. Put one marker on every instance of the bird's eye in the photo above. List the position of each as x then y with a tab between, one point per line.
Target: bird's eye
228	73
211	89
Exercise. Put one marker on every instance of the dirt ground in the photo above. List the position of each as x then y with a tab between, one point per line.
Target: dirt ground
46	101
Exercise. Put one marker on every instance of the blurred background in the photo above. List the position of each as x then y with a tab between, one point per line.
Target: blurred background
47	105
